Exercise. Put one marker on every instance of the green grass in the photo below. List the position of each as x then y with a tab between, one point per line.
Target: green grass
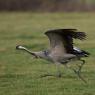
20	74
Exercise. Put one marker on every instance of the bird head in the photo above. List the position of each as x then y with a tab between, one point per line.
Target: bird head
19	47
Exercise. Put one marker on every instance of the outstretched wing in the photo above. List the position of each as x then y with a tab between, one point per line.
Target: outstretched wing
61	40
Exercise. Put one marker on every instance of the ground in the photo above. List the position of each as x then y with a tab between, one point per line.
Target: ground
20	73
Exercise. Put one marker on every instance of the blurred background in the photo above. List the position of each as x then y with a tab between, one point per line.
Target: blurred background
23	22
47	5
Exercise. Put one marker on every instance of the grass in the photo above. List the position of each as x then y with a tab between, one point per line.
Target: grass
20	74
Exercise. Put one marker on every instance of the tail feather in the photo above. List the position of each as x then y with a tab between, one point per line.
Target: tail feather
80	52
85	53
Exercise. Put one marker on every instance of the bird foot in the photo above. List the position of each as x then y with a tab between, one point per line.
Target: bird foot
46	75
79	75
59	75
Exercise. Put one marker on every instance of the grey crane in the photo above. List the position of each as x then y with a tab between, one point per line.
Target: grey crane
62	49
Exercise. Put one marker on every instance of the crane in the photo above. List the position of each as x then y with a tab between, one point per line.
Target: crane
62	49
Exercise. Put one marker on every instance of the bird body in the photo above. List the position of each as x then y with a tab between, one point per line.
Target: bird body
61	49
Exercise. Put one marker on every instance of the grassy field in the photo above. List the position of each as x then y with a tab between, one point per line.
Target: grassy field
20	74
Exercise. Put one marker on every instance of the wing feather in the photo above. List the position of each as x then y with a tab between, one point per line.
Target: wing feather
56	43
61	40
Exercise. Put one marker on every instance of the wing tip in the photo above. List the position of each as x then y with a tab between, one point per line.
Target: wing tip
72	31
80	35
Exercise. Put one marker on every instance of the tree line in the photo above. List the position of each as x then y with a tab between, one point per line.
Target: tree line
47	5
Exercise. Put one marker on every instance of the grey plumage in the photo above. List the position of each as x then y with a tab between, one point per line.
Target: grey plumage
61	48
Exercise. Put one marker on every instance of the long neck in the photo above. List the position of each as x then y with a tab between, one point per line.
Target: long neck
32	53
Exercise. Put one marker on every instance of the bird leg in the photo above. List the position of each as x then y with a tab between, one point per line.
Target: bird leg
58	72
81	65
79	70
